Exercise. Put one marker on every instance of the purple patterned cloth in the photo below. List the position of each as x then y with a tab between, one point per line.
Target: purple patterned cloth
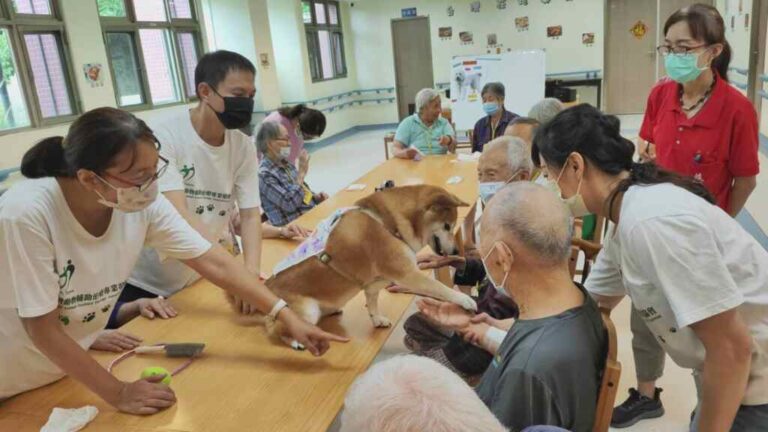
314	244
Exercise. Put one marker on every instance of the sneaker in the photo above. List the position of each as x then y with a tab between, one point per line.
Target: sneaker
637	407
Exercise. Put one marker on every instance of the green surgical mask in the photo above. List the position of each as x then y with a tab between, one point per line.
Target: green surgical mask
683	68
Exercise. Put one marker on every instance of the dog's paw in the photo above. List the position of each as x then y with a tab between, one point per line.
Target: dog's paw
465	302
380	321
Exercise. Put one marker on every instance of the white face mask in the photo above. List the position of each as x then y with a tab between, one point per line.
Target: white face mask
576	202
488	189
500	286
130	199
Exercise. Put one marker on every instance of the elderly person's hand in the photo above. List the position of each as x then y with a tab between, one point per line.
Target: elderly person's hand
322	196
408	153
449	315
304	160
445	140
438	261
294	231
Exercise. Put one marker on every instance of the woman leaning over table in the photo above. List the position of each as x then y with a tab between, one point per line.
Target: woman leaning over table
699	281
69	238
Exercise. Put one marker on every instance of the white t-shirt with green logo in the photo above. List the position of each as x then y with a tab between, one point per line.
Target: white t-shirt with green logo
682	260
213	179
49	261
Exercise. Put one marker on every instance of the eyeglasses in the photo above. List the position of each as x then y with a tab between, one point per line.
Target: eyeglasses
144	186
677	50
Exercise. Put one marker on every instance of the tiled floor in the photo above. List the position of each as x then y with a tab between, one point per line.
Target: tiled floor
335	166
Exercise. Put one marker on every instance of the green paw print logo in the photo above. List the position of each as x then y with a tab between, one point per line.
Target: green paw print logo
187	172
65	277
210	207
200	210
89	317
105	309
64	319
222	213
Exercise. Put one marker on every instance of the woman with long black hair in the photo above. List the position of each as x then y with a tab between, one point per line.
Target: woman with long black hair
698	280
69	238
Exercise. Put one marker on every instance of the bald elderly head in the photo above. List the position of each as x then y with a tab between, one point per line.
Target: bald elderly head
504	158
531	221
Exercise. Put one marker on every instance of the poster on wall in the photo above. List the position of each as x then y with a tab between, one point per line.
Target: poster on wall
264	60
492	40
522	2
466	37
445	32
93	76
501	4
746	21
639	30
554	31
450	11
521	23
588	39
474	7
521	71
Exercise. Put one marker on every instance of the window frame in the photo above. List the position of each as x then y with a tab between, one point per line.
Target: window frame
129	24
18	25
312	33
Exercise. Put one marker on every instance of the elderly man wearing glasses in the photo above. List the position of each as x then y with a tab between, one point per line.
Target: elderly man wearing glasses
425	132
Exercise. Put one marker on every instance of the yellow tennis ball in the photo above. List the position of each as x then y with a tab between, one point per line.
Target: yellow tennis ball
157	370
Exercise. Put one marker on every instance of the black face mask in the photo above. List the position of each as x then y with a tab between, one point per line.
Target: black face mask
237	111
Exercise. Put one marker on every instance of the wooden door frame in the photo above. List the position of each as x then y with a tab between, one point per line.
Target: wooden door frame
398	87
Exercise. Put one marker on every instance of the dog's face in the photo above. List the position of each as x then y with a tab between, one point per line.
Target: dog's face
460	75
439	223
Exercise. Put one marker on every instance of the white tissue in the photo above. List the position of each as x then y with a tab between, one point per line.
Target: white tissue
70	420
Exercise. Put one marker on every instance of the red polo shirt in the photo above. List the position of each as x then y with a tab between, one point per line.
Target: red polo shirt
717	144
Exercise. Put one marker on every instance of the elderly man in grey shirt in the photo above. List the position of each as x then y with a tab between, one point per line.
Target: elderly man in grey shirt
546	368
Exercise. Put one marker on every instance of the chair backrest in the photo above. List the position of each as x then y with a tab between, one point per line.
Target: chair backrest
610	380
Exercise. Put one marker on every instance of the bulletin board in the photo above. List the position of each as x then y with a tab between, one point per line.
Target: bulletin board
522	72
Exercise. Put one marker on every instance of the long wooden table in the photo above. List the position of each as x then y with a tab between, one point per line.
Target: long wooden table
244	381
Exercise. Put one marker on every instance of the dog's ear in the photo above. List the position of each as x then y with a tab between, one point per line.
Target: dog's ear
446	200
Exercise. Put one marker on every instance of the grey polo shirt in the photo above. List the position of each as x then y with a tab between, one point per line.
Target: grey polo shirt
547	371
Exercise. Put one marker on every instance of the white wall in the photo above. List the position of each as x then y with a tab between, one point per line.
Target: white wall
371	27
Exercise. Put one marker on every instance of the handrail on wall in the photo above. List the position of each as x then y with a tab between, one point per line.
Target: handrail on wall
342	96
739	70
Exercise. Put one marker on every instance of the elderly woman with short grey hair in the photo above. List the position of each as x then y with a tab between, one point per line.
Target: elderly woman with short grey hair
546	110
425	132
496	118
284	194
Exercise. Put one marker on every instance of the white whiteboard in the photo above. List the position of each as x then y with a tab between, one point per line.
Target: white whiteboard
522	72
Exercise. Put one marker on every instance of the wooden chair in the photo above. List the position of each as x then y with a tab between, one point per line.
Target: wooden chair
590	247
610	380
389	138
